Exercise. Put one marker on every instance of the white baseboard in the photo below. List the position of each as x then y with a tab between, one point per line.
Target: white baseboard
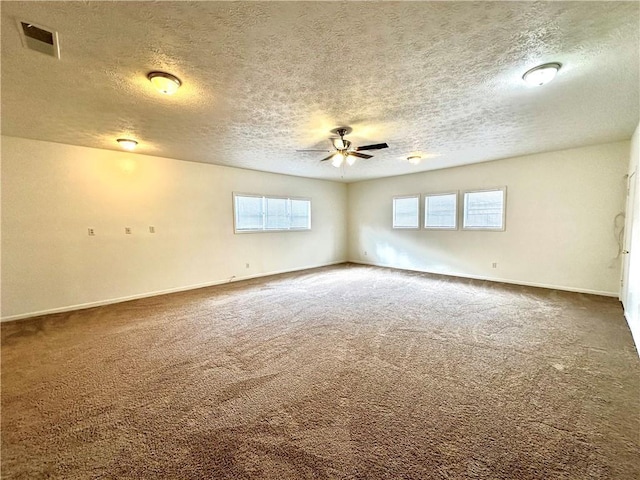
82	306
99	303
495	279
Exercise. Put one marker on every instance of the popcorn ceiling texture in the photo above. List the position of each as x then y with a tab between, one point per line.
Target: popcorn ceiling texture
262	79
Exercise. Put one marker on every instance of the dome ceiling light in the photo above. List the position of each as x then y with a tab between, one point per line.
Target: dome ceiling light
541	74
127	143
164	82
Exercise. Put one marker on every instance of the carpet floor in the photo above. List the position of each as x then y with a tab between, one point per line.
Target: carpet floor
345	372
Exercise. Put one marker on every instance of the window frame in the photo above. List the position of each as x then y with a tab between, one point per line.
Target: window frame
463	208
456	213
393	211
264	228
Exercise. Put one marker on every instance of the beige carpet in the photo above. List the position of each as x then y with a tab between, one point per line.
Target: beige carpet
347	372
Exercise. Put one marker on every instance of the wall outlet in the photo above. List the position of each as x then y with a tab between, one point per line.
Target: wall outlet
152	229
127	230
91	232
494	265
365	253
246	265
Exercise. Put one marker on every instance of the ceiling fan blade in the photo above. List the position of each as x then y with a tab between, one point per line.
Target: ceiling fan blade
359	155
328	158
323	150
377	146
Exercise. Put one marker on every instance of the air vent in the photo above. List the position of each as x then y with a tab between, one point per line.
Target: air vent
39	38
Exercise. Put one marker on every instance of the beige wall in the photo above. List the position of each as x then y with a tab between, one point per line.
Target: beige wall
560	224
51	194
559	228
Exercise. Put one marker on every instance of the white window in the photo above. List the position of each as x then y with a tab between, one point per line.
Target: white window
277	217
406	211
484	209
441	211
259	213
300	217
248	213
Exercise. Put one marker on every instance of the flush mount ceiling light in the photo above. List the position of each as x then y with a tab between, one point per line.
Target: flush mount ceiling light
127	143
541	74
165	82
414	159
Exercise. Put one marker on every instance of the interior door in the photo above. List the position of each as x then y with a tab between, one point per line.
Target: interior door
631	213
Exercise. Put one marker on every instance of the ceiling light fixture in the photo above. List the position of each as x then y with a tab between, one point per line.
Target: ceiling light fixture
165	82
541	74
414	159
337	159
127	143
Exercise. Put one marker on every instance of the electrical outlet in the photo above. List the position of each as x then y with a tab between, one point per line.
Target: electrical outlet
91	232
494	265
246	265
152	229
127	230
365	253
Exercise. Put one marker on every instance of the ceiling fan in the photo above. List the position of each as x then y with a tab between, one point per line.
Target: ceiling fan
345	152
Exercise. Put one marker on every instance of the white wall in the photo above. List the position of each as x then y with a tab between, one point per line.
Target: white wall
631	294
560	224
559	228
51	194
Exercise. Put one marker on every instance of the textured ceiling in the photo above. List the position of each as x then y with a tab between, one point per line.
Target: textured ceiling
262	79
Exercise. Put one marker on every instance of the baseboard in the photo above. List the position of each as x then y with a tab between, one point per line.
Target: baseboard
497	280
82	306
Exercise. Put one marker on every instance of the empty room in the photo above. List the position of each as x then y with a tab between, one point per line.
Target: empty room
320	240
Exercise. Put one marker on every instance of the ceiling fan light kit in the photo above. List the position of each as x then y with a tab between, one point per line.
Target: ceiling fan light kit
337	160
345	152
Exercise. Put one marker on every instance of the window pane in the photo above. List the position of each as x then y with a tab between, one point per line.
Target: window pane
248	213
300	214
484	209
405	212
277	217
257	213
440	211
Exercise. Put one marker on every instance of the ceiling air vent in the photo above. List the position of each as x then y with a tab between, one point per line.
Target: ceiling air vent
39	38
